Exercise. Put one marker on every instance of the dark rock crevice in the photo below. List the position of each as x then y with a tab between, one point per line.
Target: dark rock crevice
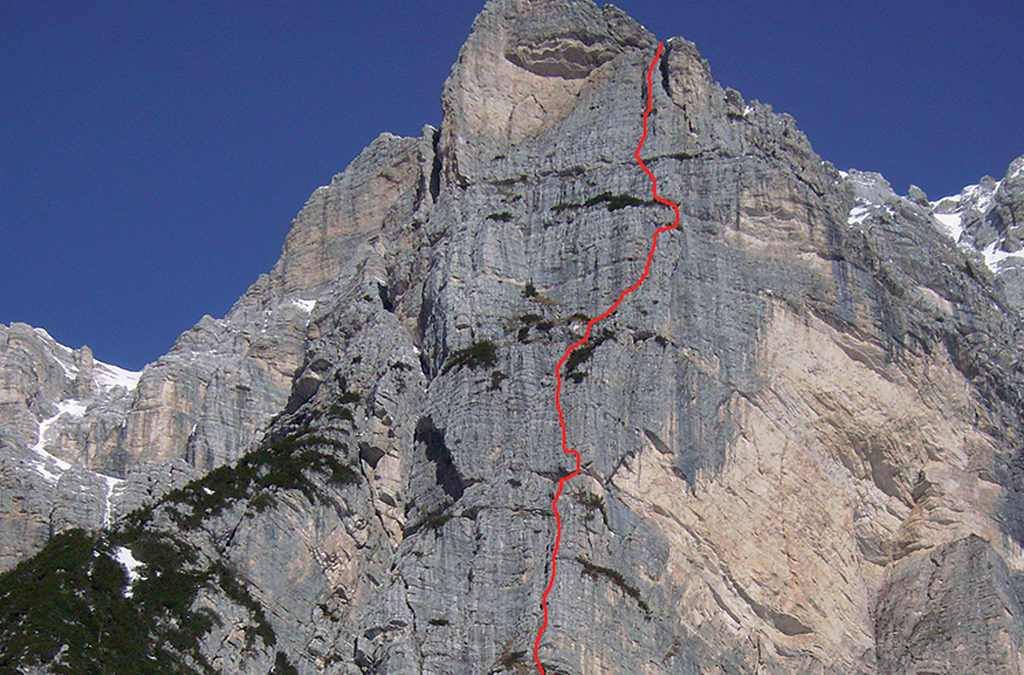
436	166
445	473
663	69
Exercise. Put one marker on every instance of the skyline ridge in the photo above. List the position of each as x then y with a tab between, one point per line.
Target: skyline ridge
158	218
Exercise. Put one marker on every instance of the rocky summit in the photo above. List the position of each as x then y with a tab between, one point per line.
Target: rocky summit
801	437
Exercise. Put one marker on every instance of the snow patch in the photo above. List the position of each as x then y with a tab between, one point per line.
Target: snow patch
131	566
50	466
858	214
107	377
71	407
46	462
111	484
994	257
303	304
951	224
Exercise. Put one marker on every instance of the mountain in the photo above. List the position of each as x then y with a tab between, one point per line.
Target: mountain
800	436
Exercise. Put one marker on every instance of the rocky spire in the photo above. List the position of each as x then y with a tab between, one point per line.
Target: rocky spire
801	437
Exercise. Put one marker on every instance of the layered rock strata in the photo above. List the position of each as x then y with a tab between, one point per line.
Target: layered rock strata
801	436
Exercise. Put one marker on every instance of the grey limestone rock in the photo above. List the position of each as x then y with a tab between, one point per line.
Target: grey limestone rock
956	609
209	399
800	437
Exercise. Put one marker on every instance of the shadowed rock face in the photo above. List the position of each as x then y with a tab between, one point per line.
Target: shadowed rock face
800	437
956	608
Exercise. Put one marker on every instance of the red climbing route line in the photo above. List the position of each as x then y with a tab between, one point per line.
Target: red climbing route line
586	336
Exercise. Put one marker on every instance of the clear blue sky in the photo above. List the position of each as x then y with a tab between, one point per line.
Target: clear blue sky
153	154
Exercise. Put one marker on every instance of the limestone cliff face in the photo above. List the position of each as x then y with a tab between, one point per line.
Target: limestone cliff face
801	436
84	443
